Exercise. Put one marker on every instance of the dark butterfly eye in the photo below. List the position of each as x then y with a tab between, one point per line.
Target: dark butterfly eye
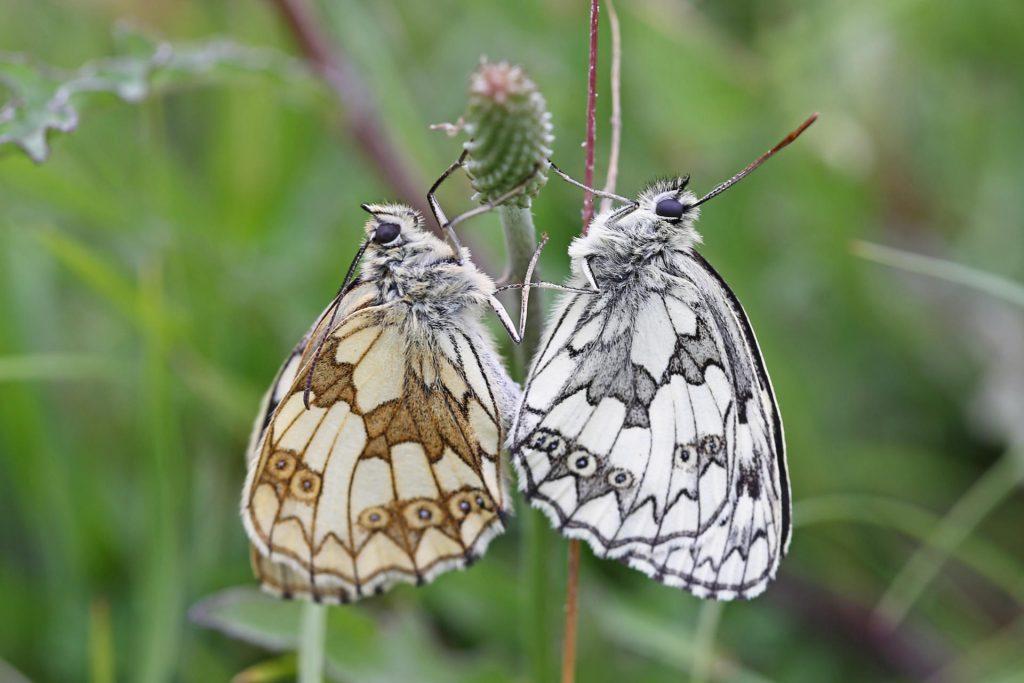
670	207
386	233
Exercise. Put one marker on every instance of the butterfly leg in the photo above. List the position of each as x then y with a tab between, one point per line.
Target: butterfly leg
589	274
505	319
503	316
494	203
449	225
435	206
584	266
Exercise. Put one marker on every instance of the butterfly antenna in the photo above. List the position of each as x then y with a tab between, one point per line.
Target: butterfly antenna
600	193
335	305
722	187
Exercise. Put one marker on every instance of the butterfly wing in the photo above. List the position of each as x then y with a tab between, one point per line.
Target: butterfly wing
649	428
280	578
277	578
391	474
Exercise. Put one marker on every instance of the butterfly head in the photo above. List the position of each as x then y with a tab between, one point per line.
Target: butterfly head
662	216
392	226
667	203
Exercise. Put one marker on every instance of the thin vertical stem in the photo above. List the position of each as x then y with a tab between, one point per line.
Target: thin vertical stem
588	169
615	122
536	619
159	635
572	601
704	640
312	632
573	580
520	243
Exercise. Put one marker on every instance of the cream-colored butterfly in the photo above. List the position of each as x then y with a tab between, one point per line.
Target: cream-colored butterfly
375	455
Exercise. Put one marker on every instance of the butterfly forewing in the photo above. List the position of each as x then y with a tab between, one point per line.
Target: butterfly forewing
392	472
278	578
648	428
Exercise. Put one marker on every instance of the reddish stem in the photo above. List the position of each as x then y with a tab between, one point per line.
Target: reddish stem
363	118
573	578
588	169
571	614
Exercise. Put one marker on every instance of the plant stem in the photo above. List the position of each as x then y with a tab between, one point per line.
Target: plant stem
588	169
535	620
520	243
312	632
159	635
536	614
615	122
704	640
573	579
101	642
572	601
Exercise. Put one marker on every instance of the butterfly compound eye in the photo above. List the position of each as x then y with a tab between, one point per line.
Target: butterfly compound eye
386	233
670	207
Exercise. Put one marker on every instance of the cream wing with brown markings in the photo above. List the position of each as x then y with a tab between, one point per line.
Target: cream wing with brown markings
392	472
277	578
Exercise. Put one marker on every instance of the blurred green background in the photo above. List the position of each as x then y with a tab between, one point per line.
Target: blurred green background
160	264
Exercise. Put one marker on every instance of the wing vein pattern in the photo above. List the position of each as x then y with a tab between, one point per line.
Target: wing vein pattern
392	474
649	428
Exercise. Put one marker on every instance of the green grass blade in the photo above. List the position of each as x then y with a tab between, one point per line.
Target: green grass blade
163	570
1002	650
916	522
999	287
34	367
99	275
924	565
661	640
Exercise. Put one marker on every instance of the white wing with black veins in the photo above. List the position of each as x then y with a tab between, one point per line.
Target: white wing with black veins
649	428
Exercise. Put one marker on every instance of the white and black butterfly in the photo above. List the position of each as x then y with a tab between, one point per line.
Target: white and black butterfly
648	425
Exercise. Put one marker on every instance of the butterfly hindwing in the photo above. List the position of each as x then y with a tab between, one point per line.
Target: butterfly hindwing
391	474
648	427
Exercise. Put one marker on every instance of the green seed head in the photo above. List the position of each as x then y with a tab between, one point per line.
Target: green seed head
509	127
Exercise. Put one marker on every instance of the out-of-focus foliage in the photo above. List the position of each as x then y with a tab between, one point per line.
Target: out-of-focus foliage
157	267
41	99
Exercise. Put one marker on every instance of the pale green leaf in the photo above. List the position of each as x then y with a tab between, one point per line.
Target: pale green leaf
356	648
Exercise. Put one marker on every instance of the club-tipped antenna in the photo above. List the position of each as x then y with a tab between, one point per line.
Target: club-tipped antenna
722	187
335	305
